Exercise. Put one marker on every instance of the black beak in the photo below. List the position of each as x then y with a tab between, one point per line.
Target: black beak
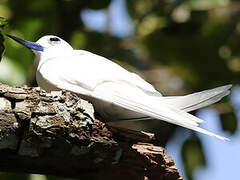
28	44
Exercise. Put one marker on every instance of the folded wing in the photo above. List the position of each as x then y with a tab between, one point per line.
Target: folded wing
149	106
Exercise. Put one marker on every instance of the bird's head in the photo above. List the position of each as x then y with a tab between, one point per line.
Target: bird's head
46	47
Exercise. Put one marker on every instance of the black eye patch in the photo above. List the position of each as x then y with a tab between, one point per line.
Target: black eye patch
54	39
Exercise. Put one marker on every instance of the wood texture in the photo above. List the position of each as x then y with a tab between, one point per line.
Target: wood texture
57	134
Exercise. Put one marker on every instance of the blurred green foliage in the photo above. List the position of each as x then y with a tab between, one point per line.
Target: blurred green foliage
3	23
2	48
192	155
12	176
195	40
229	122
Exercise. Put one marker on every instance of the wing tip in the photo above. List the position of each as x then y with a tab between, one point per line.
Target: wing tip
213	134
204	131
229	86
222	138
226	87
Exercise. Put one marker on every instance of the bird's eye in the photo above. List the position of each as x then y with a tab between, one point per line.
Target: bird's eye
54	39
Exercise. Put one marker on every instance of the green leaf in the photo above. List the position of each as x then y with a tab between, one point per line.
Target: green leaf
3	22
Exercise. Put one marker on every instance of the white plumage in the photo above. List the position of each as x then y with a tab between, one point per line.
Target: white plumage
115	93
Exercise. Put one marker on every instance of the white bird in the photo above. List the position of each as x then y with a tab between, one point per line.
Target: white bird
115	93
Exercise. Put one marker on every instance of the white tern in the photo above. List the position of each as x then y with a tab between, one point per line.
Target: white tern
115	93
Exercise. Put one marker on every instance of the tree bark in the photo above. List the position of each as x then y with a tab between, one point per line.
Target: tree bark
56	133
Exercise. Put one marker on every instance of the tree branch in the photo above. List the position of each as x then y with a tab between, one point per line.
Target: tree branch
55	134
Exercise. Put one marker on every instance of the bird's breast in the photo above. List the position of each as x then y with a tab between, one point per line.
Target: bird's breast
44	83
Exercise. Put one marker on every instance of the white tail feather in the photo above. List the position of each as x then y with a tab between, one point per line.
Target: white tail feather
198	129
198	100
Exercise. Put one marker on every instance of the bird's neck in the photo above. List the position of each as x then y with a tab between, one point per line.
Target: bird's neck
44	57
